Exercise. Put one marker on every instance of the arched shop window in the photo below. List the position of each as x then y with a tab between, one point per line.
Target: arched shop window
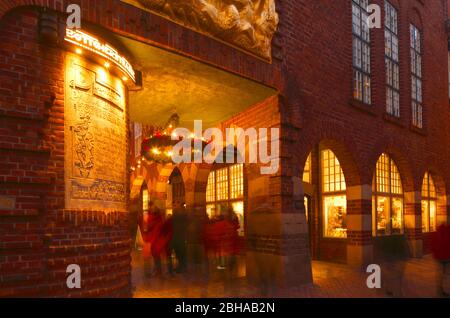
334	196
387	198
307	170
225	189
307	178
429	204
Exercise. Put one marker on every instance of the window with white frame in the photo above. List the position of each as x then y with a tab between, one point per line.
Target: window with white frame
392	60
334	196
429	204
416	76
361	51
387	198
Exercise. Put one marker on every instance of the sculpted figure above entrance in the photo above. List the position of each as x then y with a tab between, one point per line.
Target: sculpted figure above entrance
246	24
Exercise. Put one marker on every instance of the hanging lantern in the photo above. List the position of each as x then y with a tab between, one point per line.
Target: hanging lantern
159	146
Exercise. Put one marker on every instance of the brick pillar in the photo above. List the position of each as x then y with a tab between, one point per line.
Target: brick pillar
413	222
278	250
359	225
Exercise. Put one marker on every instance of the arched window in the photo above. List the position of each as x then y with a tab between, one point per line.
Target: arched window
429	204
225	189
307	170
333	196
387	199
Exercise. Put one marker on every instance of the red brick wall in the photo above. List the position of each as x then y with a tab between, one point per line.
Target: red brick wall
38	239
312	70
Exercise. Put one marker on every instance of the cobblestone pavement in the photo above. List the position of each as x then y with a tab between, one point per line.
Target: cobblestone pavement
330	280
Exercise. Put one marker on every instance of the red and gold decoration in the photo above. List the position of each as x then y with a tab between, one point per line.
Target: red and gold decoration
159	146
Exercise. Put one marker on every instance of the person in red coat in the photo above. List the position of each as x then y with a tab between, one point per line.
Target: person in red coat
155	223
440	245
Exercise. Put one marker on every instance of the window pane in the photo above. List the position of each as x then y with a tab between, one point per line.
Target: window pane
237	181
307	170
425	186
335	215
397	216
396	183
222	184
425	216
211	188
145	200
432	193
433	209
382	215
332	174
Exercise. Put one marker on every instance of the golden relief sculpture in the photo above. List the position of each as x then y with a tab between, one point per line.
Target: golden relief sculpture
247	24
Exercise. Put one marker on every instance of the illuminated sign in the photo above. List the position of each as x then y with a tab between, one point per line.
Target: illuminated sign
92	44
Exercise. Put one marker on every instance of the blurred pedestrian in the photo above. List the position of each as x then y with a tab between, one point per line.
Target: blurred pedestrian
162	245
394	255
155	223
180	223
440	245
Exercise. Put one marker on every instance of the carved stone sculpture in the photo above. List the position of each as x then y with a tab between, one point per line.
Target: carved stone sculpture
247	24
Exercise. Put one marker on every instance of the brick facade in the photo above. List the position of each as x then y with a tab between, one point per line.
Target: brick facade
312	71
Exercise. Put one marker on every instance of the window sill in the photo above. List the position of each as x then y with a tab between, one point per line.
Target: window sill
368	109
394	120
417	130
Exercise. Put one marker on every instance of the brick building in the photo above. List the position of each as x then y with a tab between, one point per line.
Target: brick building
363	118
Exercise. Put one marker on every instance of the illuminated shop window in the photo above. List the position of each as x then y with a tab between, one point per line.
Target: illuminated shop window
416	76
429	204
225	189
307	170
392	60
387	198
361	52
334	196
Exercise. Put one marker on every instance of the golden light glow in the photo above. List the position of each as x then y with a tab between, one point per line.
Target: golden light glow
387	201
156	151
79	51
334	199
88	42
307	170
224	190
429	204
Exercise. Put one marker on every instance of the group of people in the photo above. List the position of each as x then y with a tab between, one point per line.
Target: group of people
192	237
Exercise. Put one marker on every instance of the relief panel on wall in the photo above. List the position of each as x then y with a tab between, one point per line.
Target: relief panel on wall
95	137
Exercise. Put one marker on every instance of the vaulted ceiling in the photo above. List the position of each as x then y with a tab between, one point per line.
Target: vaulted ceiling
195	90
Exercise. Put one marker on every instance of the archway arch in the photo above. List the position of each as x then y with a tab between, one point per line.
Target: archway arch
330	198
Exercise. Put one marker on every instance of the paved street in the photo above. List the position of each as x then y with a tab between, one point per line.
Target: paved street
330	280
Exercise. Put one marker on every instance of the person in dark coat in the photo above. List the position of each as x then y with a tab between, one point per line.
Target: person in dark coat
179	244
